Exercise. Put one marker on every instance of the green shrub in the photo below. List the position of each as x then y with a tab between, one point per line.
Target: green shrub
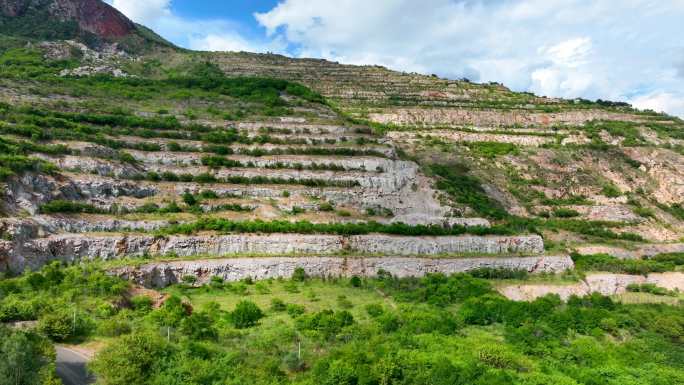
62	206
565	213
299	274
278	305
294	310
326	322
325	206
650	288
141	303
245	315
27	358
57	326
605	262
611	191
374	310
498	273
130	360
491	150
466	189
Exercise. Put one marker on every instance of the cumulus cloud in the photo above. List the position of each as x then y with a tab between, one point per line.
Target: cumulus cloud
199	34
144	12
661	102
565	48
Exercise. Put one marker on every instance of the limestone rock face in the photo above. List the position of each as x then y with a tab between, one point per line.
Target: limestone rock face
163	274
602	283
489	118
33	253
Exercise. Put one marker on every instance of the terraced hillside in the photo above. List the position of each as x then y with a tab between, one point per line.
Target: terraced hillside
107	177
116	155
204	218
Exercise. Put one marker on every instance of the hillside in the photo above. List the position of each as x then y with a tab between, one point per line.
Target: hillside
432	209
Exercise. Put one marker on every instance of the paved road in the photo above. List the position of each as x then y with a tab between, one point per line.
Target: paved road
71	367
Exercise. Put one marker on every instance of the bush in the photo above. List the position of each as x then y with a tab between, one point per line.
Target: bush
467	190
62	206
57	326
278	305
141	303
565	213
130	360
294	310
199	326
605	262
498	273
327	322
650	288
374	310
611	191
299	274
245	315
113	327
26	358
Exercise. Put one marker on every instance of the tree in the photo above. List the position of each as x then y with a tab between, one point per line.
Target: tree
25	358
130	360
246	314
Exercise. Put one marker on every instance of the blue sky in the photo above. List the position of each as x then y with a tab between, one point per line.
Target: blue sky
628	50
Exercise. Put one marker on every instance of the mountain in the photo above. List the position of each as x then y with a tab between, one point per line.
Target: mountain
90	21
232	217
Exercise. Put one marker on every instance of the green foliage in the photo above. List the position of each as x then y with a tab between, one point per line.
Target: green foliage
305	227
131	360
611	191
467	190
605	262
491	150
57	326
27	358
676	210
498	273
650	288
245	315
629	131
565	213
299	274
326	322
27	63
70	207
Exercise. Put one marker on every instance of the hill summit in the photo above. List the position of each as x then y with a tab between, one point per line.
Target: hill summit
92	22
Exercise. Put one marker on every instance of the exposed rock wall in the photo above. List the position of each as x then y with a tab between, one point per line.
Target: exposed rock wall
603	283
492	118
33	253
648	250
166	273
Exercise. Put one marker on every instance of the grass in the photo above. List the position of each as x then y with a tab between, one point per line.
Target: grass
299	293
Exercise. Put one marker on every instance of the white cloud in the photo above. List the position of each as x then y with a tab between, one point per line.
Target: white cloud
570	53
661	102
144	12
199	34
231	42
563	48
566	48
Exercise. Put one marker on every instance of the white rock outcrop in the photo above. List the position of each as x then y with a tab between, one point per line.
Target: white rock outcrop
162	274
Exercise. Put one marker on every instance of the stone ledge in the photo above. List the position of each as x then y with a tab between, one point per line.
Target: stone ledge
163	274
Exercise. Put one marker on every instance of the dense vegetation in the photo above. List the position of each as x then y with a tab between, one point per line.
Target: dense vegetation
305	227
384	330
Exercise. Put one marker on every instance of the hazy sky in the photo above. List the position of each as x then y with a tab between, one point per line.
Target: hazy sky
629	50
